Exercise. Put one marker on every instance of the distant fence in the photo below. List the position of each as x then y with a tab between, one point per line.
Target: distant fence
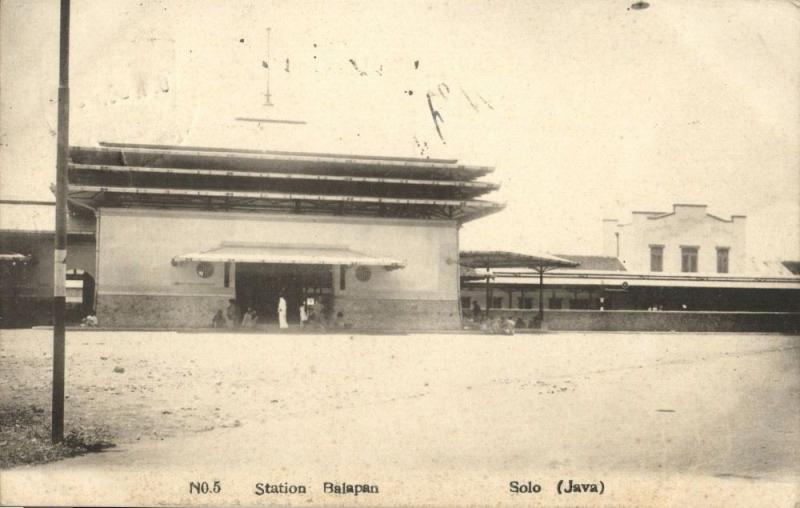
678	321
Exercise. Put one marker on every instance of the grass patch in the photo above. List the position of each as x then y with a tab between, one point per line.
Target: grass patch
25	438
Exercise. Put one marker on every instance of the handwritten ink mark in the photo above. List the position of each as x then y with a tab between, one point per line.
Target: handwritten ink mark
436	117
416	64
485	101
474	106
355	66
287	65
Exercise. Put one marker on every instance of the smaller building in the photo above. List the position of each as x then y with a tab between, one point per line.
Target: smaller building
27	231
686	240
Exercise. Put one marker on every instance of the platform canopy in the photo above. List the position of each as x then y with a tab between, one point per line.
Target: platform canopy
479	263
287	254
504	259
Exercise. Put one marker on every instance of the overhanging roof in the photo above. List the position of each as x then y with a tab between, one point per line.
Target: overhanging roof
504	259
611	279
287	254
39	217
123	175
264	160
13	257
588	262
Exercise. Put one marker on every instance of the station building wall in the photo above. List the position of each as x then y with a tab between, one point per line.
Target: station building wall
686	226
139	287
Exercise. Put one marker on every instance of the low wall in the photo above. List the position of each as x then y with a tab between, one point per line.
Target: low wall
384	314
679	321
133	311
25	312
151	311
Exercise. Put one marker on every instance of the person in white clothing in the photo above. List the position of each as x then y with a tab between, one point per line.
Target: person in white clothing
282	313
303	314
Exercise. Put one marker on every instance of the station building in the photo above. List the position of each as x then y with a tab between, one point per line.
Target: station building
691	265
371	242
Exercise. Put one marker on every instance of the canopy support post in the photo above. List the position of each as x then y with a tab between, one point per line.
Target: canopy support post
541	296
488	296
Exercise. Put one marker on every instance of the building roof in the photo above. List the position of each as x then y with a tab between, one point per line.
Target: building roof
650	215
504	259
792	266
39	217
767	268
604	263
623	280
117	174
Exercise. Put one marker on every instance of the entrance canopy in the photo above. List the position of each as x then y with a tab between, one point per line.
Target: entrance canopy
287	254
13	257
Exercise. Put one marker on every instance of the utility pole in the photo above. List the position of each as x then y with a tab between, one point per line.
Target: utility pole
60	248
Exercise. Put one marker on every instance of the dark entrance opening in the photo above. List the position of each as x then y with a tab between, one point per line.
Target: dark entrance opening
259	285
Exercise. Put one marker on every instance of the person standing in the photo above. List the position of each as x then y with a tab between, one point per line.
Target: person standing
476	312
303	314
282	313
234	314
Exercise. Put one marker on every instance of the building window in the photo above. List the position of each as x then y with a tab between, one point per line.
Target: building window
205	270
227	275
688	259
466	302
722	259
656	258
497	302
554	303
363	273
579	304
525	303
342	278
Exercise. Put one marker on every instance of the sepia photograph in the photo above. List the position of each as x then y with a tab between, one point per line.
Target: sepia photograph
400	253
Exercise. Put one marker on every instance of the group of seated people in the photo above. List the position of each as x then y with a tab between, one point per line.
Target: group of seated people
232	317
499	324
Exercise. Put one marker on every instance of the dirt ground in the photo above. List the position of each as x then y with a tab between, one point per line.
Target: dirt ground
718	406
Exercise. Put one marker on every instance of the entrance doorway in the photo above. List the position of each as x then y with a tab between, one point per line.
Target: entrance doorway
259	285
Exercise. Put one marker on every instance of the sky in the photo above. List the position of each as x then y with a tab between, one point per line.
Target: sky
587	109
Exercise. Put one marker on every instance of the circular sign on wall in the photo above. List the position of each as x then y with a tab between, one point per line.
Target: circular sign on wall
363	273
205	270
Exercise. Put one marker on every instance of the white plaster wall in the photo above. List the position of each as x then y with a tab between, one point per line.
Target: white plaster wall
136	246
688	226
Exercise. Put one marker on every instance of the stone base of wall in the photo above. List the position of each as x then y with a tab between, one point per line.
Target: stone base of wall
25	312
374	313
148	311
151	311
666	321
